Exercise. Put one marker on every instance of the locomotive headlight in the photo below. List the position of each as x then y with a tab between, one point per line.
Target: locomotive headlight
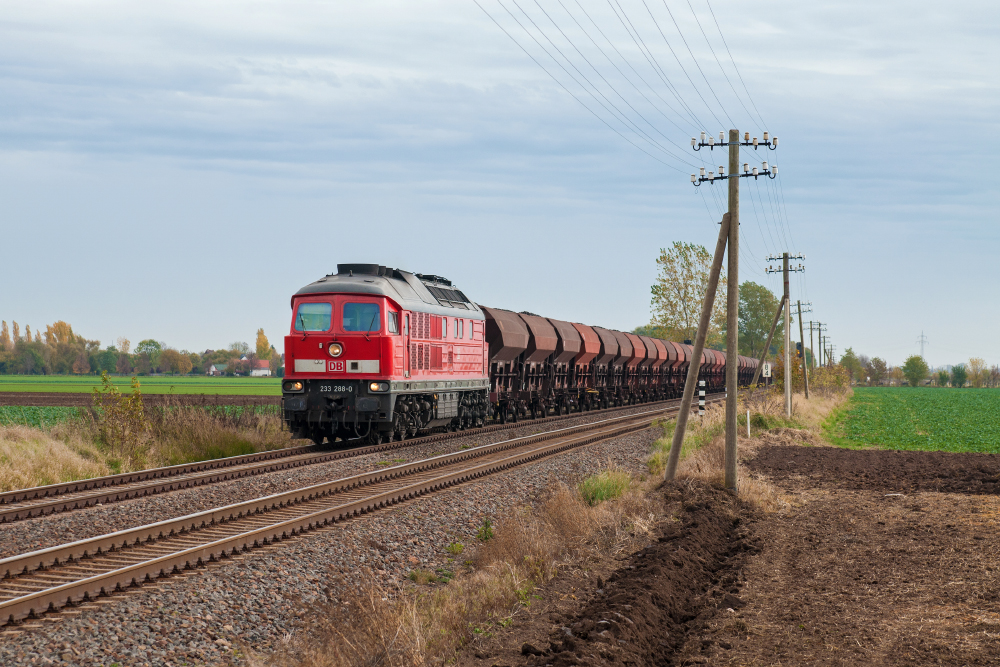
378	386
293	385
335	349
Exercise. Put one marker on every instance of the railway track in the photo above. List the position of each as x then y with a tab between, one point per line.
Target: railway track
39	501
64	576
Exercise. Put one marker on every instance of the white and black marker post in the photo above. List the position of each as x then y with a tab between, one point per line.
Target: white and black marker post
701	398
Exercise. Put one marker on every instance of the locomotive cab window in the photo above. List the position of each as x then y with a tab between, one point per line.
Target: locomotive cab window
393	322
361	317
314	317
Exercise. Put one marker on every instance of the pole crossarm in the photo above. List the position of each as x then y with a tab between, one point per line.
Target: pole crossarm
734	144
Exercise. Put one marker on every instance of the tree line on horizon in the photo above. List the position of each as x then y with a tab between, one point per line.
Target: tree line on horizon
60	351
677	295
915	372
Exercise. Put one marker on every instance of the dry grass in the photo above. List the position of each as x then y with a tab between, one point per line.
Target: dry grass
36	457
76	450
703	450
374	625
185	434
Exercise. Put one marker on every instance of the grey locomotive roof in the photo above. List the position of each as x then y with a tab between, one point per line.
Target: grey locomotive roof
424	293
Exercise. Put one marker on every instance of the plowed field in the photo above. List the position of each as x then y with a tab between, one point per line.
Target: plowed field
881	558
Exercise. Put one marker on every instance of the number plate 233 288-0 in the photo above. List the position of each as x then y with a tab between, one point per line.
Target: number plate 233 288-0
335	389
338	366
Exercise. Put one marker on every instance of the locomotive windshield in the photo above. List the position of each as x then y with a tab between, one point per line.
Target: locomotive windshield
314	317
361	317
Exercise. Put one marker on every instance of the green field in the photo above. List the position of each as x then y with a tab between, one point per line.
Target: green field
954	420
242	386
34	416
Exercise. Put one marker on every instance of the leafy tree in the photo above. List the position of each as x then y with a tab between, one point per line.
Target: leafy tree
175	362
877	370
942	378
239	348
650	330
681	284
915	370
959	375
978	371
106	360
263	347
148	355
197	364
5	342
148	346
757	308
852	364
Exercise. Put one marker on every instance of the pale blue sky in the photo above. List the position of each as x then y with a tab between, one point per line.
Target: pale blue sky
176	170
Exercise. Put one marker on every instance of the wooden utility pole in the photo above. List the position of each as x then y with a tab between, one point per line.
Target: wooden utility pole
788	340
802	339
733	291
812	348
767	345
699	346
733	309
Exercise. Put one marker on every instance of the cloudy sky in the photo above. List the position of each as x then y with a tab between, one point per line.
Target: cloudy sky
177	170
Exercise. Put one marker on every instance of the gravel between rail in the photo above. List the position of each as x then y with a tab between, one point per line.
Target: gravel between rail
255	598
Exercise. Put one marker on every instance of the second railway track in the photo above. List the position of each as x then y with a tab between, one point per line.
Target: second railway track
39	501
47	580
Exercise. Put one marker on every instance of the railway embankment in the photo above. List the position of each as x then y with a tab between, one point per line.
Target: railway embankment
263	597
536	592
258	598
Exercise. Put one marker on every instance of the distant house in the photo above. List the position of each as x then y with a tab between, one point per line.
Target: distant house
217	369
261	368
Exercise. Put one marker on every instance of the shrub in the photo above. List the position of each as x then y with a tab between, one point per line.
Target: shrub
121	420
604	486
485	532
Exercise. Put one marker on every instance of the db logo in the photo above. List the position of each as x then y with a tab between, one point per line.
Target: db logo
338	366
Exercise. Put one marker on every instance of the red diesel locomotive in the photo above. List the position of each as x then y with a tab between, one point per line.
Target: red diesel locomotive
376	353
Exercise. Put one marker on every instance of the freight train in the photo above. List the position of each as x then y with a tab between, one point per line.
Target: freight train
376	353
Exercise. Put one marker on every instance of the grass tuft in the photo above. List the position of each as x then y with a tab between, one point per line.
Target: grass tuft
603	486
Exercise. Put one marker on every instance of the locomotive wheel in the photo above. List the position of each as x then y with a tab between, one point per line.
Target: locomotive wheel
317	436
399	427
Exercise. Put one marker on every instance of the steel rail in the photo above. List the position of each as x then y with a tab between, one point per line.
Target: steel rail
39	501
35	603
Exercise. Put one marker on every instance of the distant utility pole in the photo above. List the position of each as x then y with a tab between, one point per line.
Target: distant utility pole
802	342
922	339
733	287
820	328
785	270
